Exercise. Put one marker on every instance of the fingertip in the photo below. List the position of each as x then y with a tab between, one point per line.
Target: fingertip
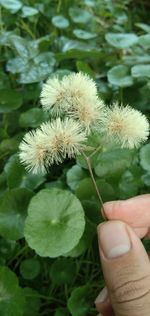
113	208
134	211
141	232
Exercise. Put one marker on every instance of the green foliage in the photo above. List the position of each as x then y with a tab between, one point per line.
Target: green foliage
119	76
79	302
30	268
13	210
9	100
32	303
12	298
63	271
48	223
121	40
145	157
60	21
113	161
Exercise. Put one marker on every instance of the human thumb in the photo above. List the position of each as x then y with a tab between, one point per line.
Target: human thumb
126	269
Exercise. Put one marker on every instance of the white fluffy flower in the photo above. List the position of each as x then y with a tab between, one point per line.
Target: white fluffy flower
59	96
65	138
73	138
126	126
33	152
51	143
53	96
89	113
79	87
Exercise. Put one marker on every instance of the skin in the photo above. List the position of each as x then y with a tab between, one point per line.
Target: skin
127	276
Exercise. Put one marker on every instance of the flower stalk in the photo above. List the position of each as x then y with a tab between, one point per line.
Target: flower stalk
88	161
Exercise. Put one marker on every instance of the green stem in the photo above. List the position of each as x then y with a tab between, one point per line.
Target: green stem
46	298
87	159
94	152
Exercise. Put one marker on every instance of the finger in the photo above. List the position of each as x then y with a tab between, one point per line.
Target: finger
141	232
134	211
103	304
126	269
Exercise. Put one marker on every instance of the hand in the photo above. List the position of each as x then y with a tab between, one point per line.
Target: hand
125	263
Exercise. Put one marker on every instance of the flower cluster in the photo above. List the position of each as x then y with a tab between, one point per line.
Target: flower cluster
78	112
74	95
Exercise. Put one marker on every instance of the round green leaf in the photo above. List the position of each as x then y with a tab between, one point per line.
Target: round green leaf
112	162
63	271
121	40
30	268
13	207
55	222
60	21
28	11
12	5
80	16
85	241
128	186
81	34
12	299
119	76
86	190
74	176
9	100
145	157
79	301
141	71
32	118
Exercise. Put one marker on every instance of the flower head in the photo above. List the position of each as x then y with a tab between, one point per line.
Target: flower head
59	96
79	87
73	138
33	152
89	113
53	96
126	126
51	143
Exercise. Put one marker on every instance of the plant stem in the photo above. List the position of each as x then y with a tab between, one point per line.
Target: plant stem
87	159
94	152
